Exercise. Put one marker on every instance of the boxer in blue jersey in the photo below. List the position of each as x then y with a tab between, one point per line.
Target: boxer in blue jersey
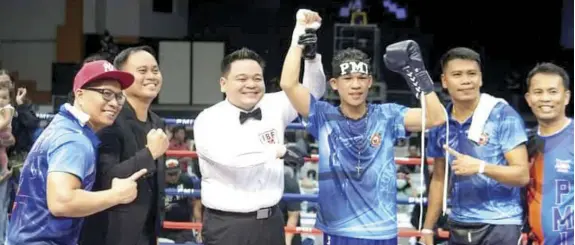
550	193
58	174
357	171
487	159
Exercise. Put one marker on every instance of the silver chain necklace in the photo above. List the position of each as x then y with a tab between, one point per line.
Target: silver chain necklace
358	166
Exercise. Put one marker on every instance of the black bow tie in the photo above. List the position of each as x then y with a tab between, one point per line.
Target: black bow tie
255	114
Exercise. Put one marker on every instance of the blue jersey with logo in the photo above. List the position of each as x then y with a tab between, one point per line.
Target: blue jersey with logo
64	146
478	198
357	172
550	193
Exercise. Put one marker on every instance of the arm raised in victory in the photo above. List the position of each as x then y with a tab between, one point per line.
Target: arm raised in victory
298	94
405	58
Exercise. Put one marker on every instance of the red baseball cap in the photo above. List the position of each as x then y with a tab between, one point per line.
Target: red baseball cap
98	70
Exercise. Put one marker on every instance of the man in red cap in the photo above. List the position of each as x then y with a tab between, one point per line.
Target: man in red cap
59	172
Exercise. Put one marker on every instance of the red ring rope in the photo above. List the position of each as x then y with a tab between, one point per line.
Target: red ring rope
403	232
314	158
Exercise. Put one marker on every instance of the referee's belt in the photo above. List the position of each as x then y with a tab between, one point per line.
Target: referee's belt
263	213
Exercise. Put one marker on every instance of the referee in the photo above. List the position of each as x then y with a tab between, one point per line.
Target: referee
240	145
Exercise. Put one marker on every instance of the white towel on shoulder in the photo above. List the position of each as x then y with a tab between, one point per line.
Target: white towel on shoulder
486	104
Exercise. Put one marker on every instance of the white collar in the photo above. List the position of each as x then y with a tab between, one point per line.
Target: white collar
242	110
78	114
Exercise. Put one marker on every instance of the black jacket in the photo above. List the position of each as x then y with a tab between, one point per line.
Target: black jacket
123	152
24	125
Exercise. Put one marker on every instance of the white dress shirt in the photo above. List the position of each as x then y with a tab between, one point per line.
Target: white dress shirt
240	169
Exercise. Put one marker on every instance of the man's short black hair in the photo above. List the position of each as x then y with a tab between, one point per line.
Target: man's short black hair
123	56
177	128
461	53
71	97
98	56
345	55
549	68
240	54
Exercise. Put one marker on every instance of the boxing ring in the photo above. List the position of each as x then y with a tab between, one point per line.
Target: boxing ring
402	232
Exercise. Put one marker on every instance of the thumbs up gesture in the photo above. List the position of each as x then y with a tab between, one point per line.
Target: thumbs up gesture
127	189
462	164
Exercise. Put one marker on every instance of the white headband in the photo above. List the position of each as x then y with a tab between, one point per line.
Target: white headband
349	67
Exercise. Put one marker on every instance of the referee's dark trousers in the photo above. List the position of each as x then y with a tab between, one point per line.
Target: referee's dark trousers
262	227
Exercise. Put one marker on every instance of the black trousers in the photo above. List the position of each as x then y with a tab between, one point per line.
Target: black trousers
225	228
146	239
497	235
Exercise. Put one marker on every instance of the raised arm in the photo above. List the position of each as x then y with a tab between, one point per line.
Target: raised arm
298	95
215	146
405	58
434	114
314	77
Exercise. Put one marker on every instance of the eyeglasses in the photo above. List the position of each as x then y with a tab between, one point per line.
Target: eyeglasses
108	95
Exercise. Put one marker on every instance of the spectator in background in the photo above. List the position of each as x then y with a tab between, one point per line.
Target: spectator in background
168	130
25	121
413	151
404	189
5	201
441	222
108	46
24	124
179	142
6	139
291	209
302	141
180	208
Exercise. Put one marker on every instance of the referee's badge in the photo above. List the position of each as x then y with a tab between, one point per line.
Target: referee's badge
269	137
375	140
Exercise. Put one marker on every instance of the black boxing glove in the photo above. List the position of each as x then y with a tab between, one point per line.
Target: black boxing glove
293	157
309	42
405	58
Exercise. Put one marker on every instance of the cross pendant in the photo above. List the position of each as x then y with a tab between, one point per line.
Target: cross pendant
358	168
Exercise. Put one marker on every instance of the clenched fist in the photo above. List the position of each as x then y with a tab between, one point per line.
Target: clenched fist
21	95
305	19
127	189
405	58
308	18
158	142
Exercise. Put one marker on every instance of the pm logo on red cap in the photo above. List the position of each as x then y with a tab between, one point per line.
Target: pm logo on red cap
101	70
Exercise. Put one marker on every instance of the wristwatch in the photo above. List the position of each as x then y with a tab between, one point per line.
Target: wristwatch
427	232
481	167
